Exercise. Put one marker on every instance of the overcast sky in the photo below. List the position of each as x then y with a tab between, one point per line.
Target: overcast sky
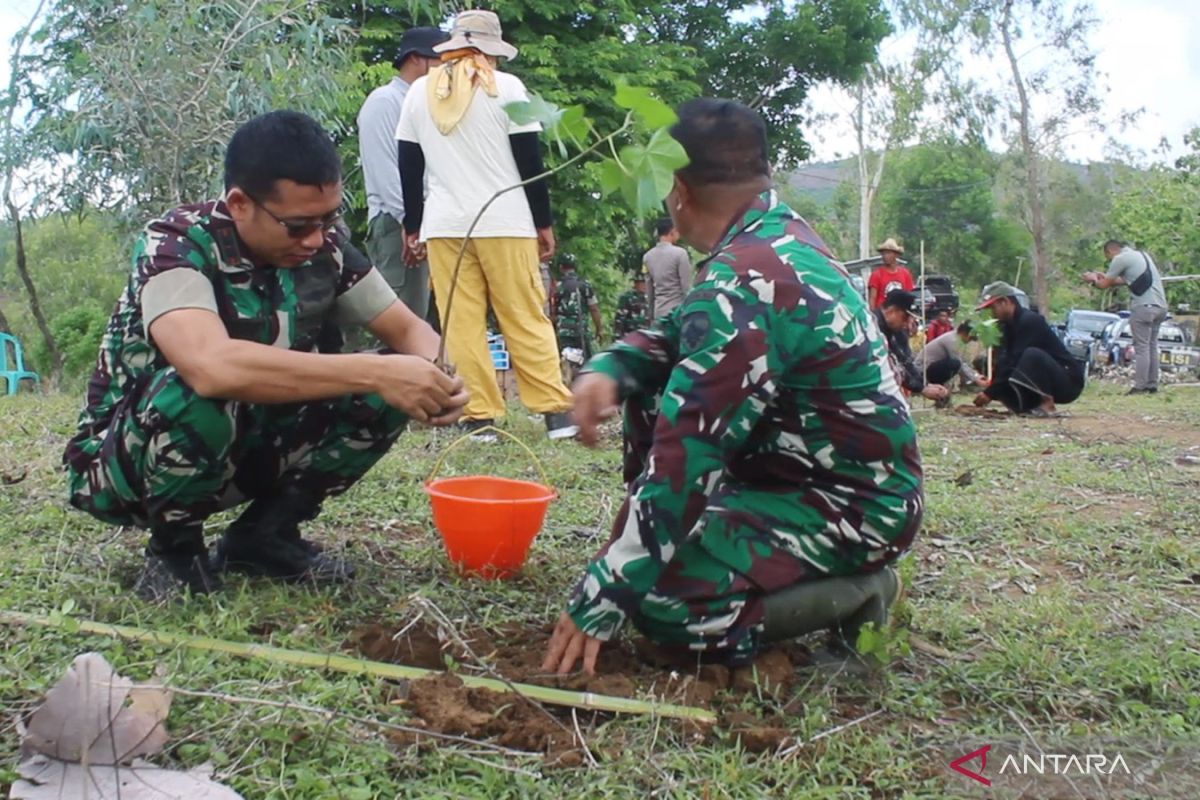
1149	49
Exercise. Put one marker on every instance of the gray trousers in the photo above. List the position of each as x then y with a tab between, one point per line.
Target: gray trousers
1144	322
385	247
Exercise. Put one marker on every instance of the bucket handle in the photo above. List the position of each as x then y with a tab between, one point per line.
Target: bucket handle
537	462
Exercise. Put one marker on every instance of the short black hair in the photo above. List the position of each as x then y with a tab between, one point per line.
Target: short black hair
280	145
664	226
965	328
726	142
1117	243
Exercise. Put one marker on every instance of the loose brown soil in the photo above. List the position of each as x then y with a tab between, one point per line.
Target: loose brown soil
986	413
625	669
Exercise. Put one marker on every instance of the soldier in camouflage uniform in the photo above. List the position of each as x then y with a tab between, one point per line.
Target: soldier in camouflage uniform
633	309
772	464
571	296
209	390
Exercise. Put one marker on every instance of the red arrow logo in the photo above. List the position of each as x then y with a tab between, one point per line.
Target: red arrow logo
981	754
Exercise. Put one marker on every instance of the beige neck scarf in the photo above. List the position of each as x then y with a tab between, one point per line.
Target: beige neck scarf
451	86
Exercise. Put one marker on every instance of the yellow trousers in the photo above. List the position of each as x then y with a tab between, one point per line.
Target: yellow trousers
502	273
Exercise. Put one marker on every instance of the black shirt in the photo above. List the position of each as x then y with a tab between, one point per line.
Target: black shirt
901	350
1029	329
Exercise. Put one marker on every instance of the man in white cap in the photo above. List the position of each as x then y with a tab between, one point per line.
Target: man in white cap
890	276
377	120
454	127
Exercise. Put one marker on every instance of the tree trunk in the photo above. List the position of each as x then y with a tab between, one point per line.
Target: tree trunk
35	307
1033	188
4	326
864	182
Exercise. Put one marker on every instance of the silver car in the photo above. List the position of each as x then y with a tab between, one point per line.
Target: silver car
1175	350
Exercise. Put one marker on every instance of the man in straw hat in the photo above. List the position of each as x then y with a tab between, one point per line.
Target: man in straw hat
891	275
454	126
1034	371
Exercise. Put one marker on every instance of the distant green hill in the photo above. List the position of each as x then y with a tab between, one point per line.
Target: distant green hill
820	180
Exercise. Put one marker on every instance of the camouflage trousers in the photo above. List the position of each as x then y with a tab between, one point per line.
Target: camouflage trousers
710	597
170	456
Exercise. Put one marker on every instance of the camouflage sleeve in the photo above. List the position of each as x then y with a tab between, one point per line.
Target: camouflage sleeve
641	362
723	380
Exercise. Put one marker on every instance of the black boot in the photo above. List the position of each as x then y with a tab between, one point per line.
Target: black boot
176	562
265	541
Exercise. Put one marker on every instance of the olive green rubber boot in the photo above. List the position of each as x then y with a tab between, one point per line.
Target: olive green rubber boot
842	606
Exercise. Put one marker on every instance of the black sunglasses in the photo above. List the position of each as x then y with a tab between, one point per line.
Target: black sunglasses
300	228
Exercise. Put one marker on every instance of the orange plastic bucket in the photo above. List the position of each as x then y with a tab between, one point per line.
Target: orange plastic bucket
488	524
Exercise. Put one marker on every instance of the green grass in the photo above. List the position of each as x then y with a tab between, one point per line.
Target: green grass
1064	575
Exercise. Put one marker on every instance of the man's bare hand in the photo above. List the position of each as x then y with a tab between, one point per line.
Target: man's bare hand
596	399
458	402
414	250
567	645
935	391
982	399
418	388
546	244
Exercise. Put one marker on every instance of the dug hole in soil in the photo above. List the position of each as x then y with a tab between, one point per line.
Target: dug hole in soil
442	703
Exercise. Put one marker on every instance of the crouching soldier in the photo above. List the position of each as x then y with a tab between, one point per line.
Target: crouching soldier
771	460
209	392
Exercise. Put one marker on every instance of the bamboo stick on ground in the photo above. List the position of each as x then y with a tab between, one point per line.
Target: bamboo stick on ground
357	666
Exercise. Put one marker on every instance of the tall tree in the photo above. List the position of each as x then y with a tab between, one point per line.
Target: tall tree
942	193
141	97
914	85
1050	65
13	154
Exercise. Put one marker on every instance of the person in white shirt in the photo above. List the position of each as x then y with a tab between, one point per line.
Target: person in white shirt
377	120
454	130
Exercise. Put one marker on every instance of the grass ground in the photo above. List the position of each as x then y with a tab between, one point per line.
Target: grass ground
1054	593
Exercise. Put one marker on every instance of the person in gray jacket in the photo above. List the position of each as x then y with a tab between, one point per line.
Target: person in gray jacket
1147	306
669	268
377	120
940	359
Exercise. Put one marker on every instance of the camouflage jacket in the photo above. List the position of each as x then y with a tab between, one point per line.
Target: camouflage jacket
781	427
572	298
633	310
279	307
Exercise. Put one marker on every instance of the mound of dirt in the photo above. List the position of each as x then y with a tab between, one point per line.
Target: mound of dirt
755	734
445	705
639	669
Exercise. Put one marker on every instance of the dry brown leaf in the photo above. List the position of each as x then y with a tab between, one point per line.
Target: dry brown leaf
93	714
49	779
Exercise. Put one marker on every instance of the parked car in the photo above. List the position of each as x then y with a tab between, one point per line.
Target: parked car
1081	332
1175	349
859	284
941	289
